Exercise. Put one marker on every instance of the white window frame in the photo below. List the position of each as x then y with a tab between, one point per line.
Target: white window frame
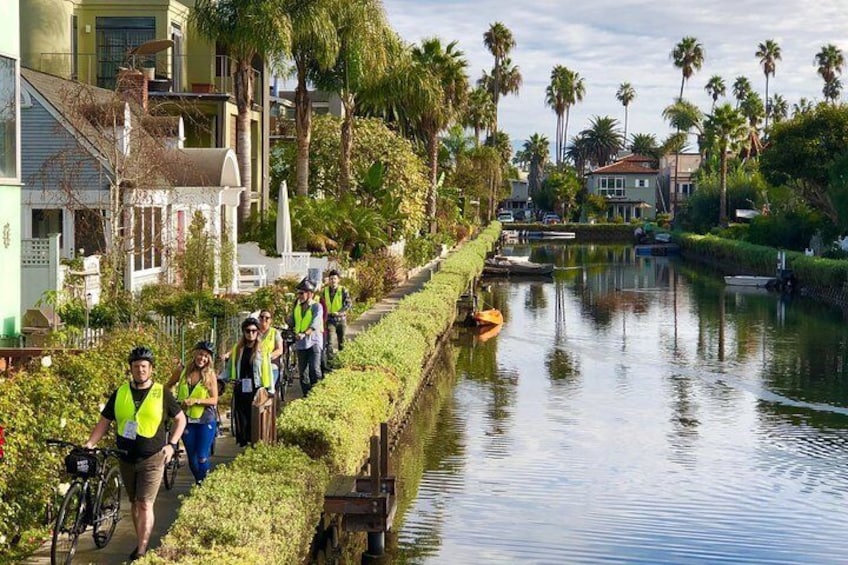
16	100
611	186
642	183
147	238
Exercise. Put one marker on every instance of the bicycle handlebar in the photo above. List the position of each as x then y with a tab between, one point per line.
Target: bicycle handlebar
104	450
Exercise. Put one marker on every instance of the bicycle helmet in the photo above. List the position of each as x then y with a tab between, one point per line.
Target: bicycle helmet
306	285
205	346
141	354
249	321
334	272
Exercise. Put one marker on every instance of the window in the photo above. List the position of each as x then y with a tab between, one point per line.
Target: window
46	222
641	183
685	188
115	37
89	238
611	186
177	57
8	118
147	238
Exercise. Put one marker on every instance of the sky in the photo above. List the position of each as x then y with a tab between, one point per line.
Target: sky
611	42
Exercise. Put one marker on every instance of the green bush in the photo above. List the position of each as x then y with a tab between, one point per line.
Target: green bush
419	250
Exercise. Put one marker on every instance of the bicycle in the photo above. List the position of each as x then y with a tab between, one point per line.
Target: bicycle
170	472
289	368
92	499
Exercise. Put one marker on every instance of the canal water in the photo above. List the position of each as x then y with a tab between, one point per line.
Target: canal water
632	410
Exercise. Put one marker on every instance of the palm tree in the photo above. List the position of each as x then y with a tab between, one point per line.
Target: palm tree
247	29
769	54
803	106
644	144
499	41
480	112
715	88
555	99
726	129
537	149
366	43
741	88
438	87
753	110
603	139
509	80
688	56
626	94
578	152
684	117
830	61
574	89
779	108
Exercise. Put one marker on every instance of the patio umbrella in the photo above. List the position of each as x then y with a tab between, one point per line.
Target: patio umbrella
284	235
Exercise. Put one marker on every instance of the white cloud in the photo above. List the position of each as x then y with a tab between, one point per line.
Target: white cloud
610	42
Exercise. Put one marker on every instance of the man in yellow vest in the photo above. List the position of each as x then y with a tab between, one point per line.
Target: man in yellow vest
140	409
307	320
336	302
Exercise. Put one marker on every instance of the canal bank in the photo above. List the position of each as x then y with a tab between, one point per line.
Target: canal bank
264	506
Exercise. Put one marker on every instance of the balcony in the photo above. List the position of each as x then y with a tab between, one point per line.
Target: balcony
170	75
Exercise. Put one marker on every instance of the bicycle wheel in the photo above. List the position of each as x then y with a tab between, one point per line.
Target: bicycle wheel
68	527
108	507
171	470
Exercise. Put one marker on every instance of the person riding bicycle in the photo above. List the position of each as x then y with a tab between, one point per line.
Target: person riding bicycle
272	341
249	369
140	409
336	302
197	392
307	320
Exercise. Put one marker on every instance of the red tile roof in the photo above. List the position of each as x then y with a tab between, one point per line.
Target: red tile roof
632	164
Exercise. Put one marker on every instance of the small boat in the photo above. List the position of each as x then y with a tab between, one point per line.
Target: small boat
750	280
487	332
513	258
490	317
548	235
500	265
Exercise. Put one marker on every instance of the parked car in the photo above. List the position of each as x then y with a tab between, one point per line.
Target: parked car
551	218
505	217
519	215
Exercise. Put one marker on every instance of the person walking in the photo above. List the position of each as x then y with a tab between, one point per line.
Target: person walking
336	302
272	341
140	408
249	369
307	319
197	392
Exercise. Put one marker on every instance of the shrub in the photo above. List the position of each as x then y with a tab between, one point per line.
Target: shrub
376	274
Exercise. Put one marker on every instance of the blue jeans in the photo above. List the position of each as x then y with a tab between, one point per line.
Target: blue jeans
198	440
309	367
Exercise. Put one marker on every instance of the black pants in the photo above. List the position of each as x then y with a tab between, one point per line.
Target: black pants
242	406
336	329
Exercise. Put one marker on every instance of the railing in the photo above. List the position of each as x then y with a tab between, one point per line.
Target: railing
251	277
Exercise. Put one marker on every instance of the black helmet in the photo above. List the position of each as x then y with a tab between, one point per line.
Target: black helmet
141	354
249	321
306	284
205	346
334	272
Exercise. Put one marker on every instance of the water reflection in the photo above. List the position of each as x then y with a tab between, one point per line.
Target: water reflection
634	410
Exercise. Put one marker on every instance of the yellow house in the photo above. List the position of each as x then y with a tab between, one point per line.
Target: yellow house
90	40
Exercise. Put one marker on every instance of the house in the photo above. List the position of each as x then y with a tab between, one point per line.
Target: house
101	172
91	40
10	175
629	186
519	202
680	177
282	111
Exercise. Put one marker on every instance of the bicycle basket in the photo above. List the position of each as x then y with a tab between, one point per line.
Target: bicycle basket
81	464
289	336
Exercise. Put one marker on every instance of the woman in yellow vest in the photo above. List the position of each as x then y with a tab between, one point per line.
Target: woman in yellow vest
307	320
197	392
249	369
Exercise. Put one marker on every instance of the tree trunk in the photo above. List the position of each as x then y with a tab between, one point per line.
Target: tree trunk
303	130
722	212
625	126
244	97
433	152
765	127
346	145
565	137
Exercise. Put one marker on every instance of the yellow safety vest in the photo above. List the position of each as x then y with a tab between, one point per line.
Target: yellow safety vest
302	321
269	342
334	305
264	373
149	414
200	392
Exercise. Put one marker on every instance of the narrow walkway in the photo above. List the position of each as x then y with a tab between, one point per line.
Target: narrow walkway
168	501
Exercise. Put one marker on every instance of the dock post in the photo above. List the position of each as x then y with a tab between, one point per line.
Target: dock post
377	540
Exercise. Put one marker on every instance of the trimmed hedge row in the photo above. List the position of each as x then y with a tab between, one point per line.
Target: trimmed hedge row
810	271
381	372
59	401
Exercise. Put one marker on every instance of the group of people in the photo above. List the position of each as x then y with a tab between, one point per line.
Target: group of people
141	408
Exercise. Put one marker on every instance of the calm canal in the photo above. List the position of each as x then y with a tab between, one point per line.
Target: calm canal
634	410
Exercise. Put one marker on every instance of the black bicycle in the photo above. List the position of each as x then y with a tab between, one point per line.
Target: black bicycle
93	499
289	369
170	472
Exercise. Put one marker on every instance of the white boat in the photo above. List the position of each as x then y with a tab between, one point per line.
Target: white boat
750	280
513	258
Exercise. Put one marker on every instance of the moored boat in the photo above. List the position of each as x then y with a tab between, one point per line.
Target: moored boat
750	280
490	317
500	265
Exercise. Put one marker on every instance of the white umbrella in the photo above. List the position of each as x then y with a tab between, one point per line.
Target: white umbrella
284	235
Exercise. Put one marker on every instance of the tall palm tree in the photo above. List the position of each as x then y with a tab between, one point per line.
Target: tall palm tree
769	54
779	108
830	61
509	81
688	56
625	94
578	152
741	88
499	41
574	89
365	42
644	144
480	112
438	87
315	45
753	110
603	139
537	149
726	129
246	29
555	99
684	116
716	88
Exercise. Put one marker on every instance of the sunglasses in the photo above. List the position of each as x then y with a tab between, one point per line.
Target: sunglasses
251	331
264	317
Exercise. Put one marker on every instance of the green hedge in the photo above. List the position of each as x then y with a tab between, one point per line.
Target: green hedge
381	372
60	401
